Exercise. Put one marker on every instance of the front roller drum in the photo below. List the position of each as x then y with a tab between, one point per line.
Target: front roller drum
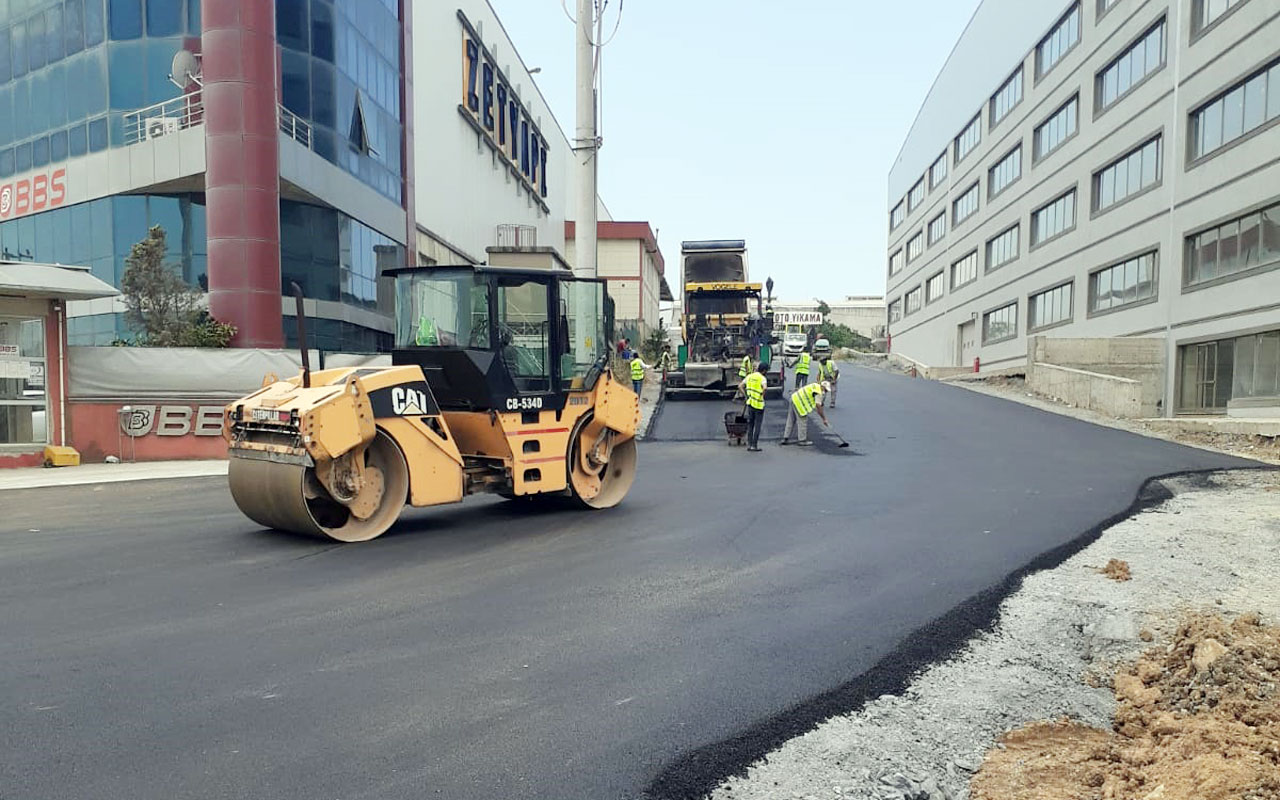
598	482
289	497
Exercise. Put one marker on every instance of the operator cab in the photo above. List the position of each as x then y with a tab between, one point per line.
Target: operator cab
499	338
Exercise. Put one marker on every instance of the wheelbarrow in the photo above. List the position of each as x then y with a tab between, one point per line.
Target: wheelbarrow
735	425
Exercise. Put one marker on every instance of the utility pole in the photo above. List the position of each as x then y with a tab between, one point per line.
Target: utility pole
586	144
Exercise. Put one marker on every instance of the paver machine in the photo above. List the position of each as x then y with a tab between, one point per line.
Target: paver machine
499	384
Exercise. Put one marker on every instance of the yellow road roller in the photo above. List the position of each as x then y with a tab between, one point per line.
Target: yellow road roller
499	383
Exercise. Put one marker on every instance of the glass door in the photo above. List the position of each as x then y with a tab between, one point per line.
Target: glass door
24	403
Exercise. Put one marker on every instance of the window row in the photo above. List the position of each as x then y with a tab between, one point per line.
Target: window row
1005	172
1050	307
968	139
1003	247
1212	374
1057	129
937	228
1060	41
965	206
1206	12
916	196
1053	219
1249	241
1131	174
1006	97
1130	68
1243	108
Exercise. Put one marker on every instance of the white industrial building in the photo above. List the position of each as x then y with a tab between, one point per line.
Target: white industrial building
1099	169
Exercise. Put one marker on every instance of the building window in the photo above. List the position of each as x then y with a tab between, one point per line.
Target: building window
895	310
1058	128
1130	68
968	138
938	172
1123	284
1206	12
1003	248
965	206
896	216
1239	110
915	247
1064	36
937	228
1104	6
1257	366
934	287
1001	324
1053	219
1233	247
895	262
1049	307
964	271
1131	174
916	196
1005	172
1006	97
913	301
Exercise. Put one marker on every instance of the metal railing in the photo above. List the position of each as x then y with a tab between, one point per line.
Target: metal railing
164	118
294	127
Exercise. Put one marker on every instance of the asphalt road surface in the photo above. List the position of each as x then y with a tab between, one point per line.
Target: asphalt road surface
156	644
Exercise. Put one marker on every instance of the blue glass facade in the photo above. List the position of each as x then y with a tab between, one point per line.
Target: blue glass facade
339	56
70	69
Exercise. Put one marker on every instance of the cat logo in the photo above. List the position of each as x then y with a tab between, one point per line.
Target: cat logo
408	402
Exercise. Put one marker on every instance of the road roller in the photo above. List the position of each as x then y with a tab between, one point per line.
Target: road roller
499	383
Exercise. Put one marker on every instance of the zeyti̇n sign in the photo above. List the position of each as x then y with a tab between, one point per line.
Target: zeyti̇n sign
33	194
491	105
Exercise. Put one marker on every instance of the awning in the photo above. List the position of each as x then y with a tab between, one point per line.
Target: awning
51	282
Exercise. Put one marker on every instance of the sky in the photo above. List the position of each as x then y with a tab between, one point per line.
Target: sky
761	120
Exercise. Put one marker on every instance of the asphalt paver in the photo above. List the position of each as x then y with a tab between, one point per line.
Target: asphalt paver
156	644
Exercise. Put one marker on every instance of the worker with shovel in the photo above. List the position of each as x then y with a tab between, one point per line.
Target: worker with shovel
753	386
828	372
805	401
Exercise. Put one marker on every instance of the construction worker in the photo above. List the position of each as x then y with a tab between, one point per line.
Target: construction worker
666	362
829	373
637	372
805	401
744	369
802	368
753	386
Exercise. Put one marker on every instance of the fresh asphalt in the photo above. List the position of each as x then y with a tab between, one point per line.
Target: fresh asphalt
156	644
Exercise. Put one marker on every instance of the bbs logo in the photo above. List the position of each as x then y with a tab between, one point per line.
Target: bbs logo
6	200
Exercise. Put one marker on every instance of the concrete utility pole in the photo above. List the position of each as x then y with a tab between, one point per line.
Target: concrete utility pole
585	144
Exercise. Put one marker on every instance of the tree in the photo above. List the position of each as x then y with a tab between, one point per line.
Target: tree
160	306
824	309
843	336
653	342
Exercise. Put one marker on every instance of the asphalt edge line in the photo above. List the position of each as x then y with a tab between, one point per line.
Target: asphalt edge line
653	417
696	774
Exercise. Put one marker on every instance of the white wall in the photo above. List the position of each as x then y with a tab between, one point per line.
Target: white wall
463	189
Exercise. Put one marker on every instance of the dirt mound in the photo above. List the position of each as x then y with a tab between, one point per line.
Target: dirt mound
1116	570
1199	719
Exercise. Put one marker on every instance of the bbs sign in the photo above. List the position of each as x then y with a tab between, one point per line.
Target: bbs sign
33	194
492	107
176	420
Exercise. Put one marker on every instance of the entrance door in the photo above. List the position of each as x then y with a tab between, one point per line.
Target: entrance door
966	336
24	419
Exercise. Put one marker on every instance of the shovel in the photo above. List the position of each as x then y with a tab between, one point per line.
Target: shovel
839	438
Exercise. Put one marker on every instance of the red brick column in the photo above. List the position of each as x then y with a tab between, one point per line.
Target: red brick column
242	181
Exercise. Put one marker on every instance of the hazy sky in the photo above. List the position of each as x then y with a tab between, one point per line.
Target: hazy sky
763	120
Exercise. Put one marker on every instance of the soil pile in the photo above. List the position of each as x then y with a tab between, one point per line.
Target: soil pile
1117	570
1198	719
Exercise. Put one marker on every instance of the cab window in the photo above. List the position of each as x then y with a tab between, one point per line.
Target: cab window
524	332
444	309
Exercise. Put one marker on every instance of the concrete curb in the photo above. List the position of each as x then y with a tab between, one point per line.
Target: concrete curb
646	425
93	474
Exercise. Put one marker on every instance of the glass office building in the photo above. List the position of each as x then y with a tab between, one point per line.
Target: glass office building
99	141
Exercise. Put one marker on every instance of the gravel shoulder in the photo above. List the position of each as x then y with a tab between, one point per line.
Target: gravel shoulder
1212	544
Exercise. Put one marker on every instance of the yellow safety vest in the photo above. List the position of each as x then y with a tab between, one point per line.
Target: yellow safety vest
744	369
828	370
803	367
637	369
805	398
755	390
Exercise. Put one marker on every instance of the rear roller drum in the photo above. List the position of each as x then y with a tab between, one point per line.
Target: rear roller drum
291	498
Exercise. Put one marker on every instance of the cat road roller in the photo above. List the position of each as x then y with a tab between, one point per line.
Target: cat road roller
499	383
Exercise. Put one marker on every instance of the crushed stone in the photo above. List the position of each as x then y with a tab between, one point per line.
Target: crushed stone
1214	544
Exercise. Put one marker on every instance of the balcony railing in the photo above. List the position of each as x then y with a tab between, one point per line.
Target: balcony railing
295	127
164	118
183	112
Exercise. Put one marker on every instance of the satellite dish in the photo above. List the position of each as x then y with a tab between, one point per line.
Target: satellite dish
185	68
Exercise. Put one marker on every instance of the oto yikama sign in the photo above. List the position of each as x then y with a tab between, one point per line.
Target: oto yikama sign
171	421
797	318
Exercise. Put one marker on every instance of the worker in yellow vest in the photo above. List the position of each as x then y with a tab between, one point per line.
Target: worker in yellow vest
753	386
805	401
744	369
802	369
637	372
829	373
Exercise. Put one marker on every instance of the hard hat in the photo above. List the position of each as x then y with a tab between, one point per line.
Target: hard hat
826	386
